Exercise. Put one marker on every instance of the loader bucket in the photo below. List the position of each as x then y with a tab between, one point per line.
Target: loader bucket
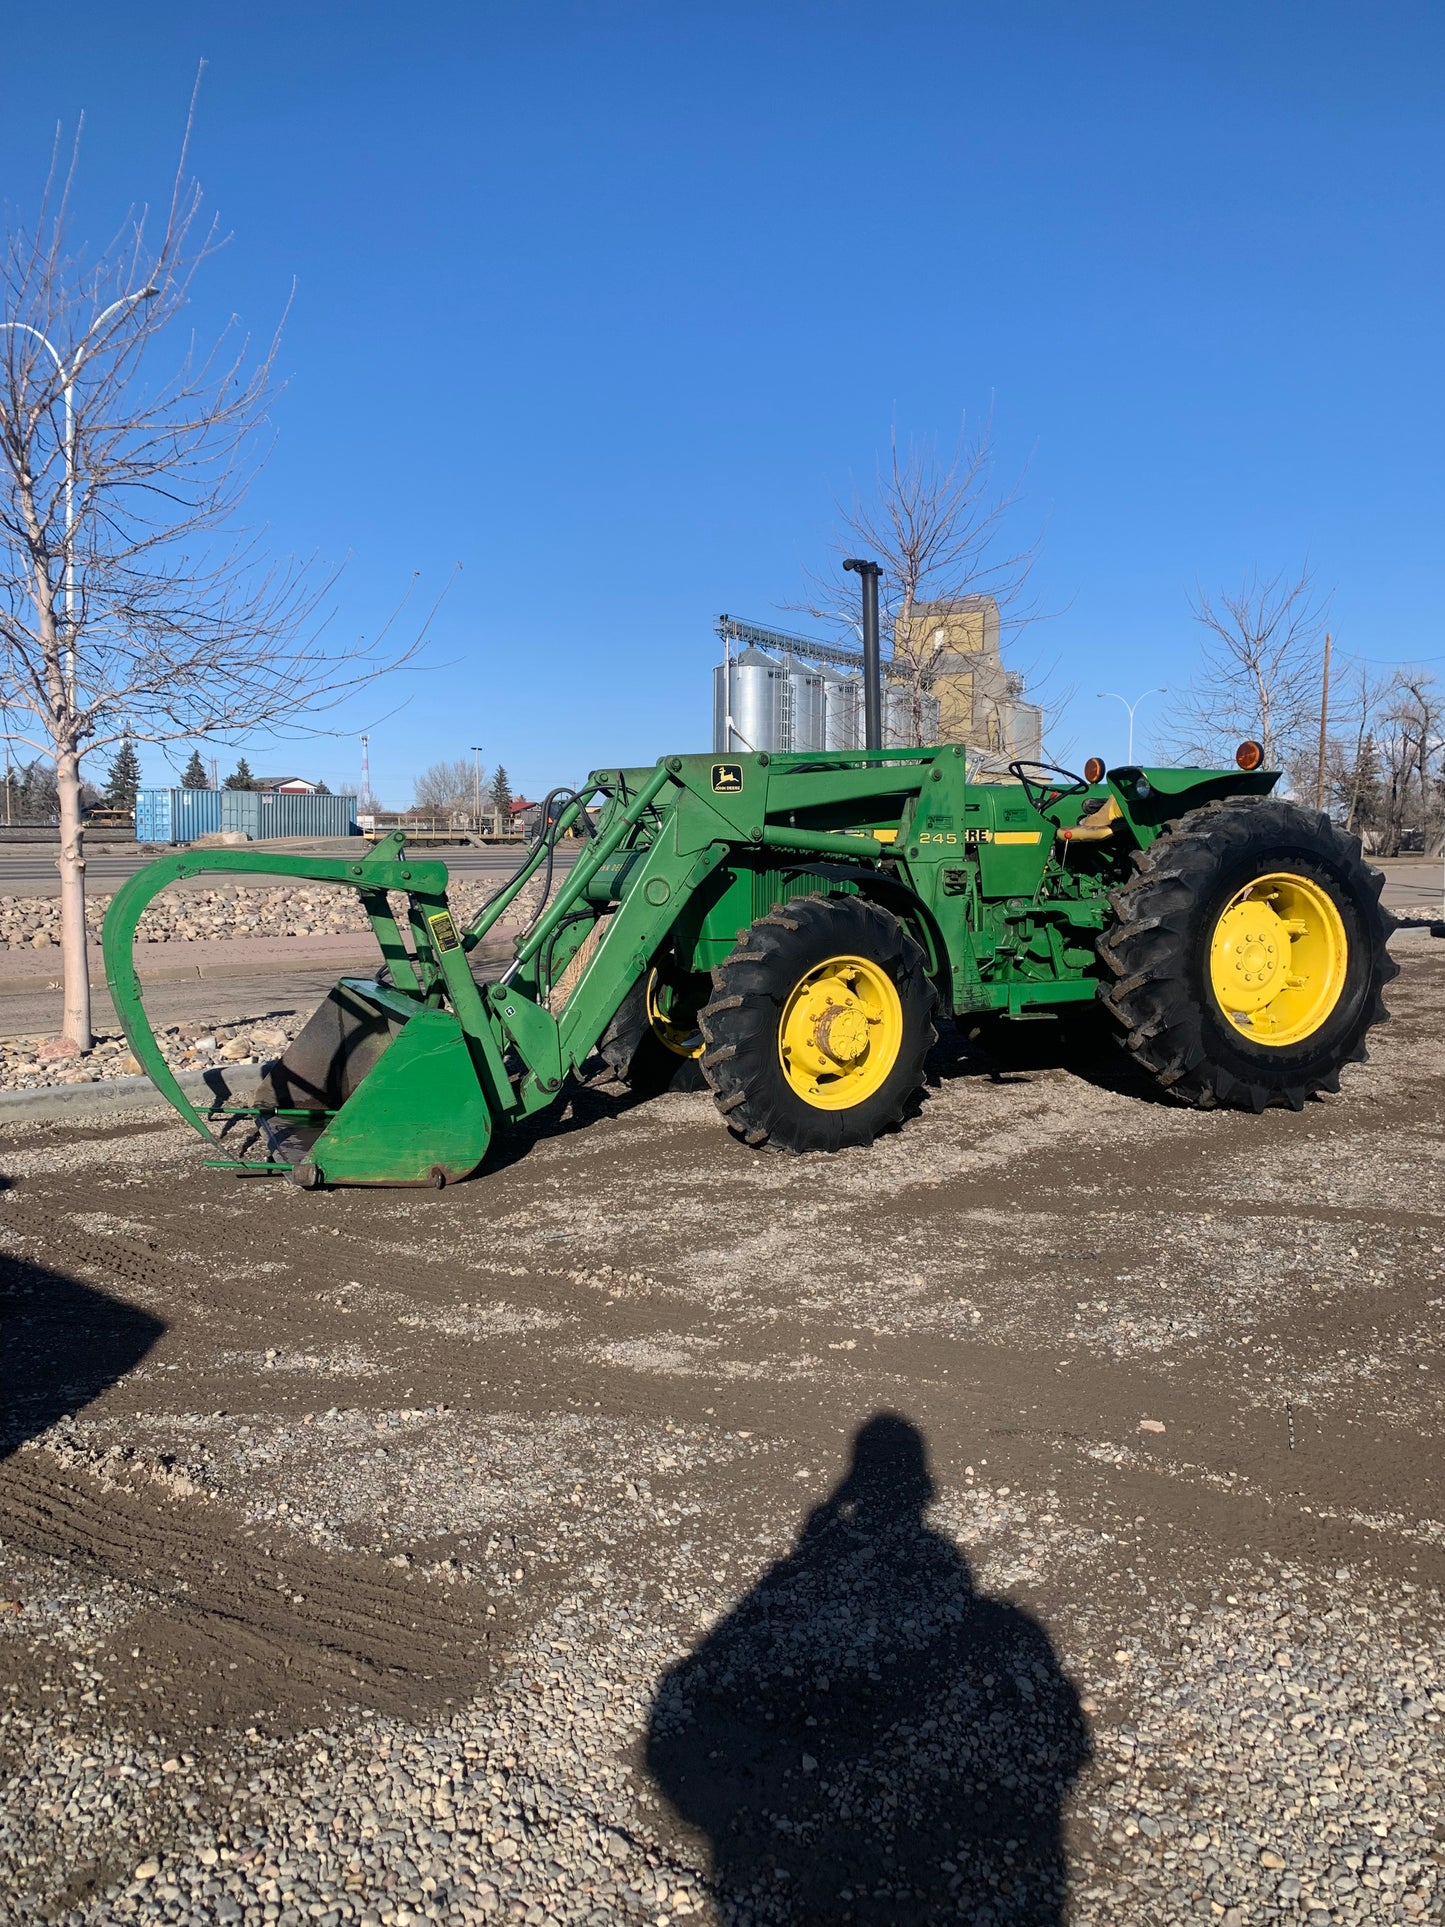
391	1090
326	1061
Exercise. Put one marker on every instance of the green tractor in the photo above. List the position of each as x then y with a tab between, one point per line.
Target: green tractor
787	929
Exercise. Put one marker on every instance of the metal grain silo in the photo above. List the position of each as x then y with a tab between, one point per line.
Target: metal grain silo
750	688
899	709
804	696
842	710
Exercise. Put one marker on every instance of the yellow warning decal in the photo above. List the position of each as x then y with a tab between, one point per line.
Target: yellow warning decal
444	931
1017	836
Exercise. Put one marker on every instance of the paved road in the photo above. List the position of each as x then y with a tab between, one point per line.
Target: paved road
33	1012
31	872
1413	888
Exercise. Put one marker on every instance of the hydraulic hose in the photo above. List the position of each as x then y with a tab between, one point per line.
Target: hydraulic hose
550	829
481	922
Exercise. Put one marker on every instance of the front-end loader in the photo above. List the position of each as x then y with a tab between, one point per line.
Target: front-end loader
787	929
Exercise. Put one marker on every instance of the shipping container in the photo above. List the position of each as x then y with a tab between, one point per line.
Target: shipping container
180	815
176	816
267	814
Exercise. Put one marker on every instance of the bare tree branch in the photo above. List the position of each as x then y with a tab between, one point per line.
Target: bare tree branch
937	525
449	786
132	603
1261	671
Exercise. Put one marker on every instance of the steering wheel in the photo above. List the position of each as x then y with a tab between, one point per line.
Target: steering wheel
1041	794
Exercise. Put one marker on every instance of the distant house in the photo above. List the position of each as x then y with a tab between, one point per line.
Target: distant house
287	785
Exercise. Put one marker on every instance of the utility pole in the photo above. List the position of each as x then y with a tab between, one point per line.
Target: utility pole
365	771
1324	726
476	749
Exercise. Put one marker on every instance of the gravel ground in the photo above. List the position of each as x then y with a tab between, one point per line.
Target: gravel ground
1036	1518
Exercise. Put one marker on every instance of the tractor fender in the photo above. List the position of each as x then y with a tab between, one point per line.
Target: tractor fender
892	894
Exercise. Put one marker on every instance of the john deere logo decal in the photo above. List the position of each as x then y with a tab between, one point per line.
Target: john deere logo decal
727	778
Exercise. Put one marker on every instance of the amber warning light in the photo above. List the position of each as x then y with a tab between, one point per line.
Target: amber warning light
1249	755
1094	770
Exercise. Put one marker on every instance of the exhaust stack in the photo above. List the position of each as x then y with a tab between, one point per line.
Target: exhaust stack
869	573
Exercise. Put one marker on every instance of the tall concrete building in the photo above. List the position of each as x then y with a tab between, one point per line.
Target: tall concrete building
980	703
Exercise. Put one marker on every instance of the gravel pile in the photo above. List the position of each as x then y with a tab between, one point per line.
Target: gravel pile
227	910
36	1063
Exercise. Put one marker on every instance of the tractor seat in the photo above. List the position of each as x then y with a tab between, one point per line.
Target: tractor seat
1093	827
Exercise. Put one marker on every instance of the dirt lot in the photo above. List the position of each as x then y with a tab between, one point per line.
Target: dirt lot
1036	1518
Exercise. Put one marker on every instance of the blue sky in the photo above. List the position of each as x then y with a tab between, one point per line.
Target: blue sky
608	303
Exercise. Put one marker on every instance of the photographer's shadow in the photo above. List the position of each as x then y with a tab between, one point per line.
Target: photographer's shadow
866	1737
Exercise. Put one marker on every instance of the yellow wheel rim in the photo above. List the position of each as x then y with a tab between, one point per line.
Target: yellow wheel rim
840	1033
1277	959
680	1041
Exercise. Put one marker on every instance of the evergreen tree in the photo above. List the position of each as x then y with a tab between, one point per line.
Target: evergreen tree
124	777
35	799
501	796
1365	789
322	790
193	776
240	777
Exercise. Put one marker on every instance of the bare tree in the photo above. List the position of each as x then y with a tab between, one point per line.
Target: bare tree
129	604
1261	672
446	786
1412	748
937	525
1361	697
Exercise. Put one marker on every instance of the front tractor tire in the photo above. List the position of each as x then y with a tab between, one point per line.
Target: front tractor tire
819	1023
1247	956
650	1046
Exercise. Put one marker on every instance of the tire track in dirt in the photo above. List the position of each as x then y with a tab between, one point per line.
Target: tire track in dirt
61	1245
240	1627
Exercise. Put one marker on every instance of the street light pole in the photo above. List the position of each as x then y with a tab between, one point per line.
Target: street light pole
477	778
67	377
1103	694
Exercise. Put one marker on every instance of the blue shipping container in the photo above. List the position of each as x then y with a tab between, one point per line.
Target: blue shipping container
152	816
267	814
180	815
176	816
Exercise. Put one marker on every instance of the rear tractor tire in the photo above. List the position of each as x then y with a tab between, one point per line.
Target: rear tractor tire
819	1024
1248	955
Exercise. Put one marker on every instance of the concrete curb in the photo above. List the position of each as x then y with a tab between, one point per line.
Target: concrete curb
219	1083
